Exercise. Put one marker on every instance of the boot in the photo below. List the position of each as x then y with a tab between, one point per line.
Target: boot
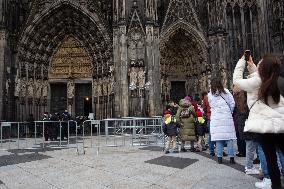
232	160
183	150
220	160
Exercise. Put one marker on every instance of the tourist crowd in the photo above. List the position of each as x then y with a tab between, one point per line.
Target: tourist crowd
252	114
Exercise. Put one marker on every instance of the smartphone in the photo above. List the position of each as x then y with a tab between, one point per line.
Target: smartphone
247	55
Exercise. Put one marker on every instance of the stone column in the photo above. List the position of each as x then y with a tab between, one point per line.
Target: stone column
264	32
117	67
124	72
150	66
2	70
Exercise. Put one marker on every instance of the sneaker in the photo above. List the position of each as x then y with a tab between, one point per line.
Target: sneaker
252	171
264	184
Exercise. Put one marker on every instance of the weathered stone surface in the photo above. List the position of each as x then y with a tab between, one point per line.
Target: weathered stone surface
178	45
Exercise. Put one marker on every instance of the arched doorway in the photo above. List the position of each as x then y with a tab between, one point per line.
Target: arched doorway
184	63
64	23
70	78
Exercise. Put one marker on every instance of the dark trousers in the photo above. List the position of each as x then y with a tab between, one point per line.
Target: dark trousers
269	142
241	144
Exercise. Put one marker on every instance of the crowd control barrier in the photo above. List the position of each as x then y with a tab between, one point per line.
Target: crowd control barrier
97	134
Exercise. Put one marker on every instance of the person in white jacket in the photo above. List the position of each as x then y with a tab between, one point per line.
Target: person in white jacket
222	127
261	87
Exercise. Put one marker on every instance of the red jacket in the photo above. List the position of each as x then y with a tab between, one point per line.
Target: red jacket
206	107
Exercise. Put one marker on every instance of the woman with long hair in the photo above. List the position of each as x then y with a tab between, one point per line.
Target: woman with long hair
222	128
246	141
266	108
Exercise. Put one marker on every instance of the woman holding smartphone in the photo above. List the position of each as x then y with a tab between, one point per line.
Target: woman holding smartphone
262	91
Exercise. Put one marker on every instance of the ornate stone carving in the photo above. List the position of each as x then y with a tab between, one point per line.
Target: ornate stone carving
71	60
181	10
168	87
141	78
99	87
30	88
23	87
45	89
110	85
133	76
17	87
38	88
105	86
95	88
70	89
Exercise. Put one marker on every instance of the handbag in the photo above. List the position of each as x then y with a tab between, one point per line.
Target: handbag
264	119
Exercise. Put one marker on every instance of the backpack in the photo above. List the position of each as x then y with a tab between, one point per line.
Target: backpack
185	113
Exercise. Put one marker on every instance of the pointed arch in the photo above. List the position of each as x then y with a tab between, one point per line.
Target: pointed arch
196	34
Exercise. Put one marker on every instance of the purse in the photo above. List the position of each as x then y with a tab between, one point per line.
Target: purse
264	119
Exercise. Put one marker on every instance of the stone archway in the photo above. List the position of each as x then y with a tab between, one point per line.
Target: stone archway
39	42
184	62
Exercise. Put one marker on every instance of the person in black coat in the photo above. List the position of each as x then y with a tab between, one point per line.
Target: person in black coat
246	141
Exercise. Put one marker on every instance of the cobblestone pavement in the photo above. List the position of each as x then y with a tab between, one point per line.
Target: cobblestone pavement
118	168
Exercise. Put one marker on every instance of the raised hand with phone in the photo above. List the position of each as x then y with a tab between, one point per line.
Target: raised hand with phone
248	57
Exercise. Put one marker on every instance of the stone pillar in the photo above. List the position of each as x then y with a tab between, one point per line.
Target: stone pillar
124	72
117	68
265	45
2	71
150	66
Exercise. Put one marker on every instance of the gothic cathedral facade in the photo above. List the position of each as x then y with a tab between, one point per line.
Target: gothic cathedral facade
119	58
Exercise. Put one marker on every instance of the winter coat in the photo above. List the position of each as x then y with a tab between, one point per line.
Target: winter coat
221	123
206	107
187	131
170	126
252	85
239	121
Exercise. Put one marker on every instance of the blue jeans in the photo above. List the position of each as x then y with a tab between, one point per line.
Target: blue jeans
230	147
210	143
263	163
251	146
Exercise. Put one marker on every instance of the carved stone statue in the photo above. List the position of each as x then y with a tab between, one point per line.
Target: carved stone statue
209	79
38	88
45	88
17	87
95	87
70	89
30	88
204	87
133	76
168	87
99	87
141	78
110	86
105	86
187	86
8	83
162	85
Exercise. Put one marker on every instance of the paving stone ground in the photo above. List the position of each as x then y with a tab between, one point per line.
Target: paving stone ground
125	167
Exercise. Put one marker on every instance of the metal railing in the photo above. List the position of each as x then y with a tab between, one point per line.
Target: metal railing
96	134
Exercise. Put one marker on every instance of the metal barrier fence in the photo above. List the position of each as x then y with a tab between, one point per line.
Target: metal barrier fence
130	131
